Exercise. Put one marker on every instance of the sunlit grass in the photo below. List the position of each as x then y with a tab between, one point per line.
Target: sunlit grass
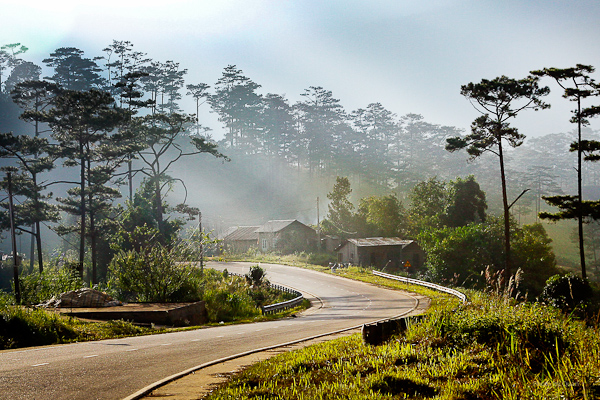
487	349
228	300
23	327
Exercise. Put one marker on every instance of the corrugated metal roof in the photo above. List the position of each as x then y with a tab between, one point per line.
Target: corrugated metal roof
275	225
380	241
241	233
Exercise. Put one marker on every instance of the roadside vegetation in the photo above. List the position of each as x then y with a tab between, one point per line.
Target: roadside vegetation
530	330
228	299
493	347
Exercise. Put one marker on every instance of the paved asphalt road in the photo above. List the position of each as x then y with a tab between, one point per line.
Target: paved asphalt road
114	369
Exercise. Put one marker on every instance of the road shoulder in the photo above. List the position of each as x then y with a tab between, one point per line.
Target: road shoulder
200	383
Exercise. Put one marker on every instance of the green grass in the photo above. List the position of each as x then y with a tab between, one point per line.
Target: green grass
24	327
487	349
492	348
228	300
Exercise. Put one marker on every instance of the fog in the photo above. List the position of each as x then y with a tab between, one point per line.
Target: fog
410	56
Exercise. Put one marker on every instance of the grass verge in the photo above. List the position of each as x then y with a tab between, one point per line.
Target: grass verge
487	349
491	348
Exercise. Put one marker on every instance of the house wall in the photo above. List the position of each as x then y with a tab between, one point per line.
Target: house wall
414	254
348	254
267	241
294	237
389	257
380	256
240	246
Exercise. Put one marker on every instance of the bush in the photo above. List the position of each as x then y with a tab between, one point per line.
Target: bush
153	275
566	292
22	327
257	276
227	297
322	258
464	253
37	288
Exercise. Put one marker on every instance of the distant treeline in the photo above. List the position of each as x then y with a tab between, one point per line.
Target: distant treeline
370	144
315	136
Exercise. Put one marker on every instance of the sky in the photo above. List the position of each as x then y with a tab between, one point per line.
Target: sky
410	55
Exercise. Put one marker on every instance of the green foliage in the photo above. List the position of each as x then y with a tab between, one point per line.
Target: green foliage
566	292
227	298
435	204
483	350
381	216
340	214
257	276
150	272
533	253
466	202
463	254
140	213
233	298
428	202
321	258
37	288
22	327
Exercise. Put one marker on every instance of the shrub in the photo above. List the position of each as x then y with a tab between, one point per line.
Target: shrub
227	298
22	327
257	276
37	288
153	275
566	292
322	258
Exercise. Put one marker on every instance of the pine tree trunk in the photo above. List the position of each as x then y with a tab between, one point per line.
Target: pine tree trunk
507	258
579	192
82	211
38	237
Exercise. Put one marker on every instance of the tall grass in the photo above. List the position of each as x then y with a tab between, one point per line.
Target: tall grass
231	298
488	349
24	327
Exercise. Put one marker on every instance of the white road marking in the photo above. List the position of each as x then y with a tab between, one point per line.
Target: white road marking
131	350
39	365
196	340
91	356
166	344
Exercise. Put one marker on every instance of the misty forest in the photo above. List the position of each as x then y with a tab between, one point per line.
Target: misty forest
105	154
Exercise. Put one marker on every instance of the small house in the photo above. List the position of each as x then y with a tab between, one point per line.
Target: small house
240	239
382	253
286	236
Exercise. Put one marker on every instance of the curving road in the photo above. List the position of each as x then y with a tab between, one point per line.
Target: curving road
114	369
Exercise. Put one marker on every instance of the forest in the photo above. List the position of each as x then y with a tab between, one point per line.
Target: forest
95	145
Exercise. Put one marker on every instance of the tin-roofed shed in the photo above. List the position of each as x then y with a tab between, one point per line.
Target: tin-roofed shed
380	252
240	239
287	236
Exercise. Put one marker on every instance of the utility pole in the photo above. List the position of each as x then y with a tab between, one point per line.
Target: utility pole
318	227
201	241
13	238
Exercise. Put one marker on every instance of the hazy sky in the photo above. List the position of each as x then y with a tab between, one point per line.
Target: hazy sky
410	55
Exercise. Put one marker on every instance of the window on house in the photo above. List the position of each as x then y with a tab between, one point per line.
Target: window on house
265	244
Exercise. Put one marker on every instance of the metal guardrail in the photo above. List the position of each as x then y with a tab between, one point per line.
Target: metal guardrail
454	292
273	308
284	305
